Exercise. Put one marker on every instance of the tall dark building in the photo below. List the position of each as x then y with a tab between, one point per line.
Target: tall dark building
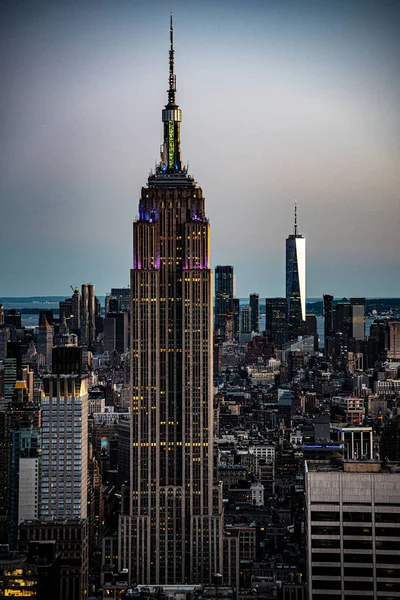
358	318
343	318
223	298
12	318
88	315
72	542
311	322
116	332
255	312
67	360
124	297
296	275
172	532
236	317
70	309
45	340
329	323
276	323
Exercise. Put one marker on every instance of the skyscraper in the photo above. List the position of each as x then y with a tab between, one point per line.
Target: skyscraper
224	279
88	315
276	320
296	275
352	520
245	319
45	340
255	312
357	318
329	324
64	446
173	532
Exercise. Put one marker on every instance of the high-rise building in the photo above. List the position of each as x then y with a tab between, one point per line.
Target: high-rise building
312	328
343	318
19	453
173	531
329	324
67	360
88	315
276	323
70	309
75	322
353	538
64	446
72	542
235	317
245	323
223	298
5	336
255	312
124	297
357	318
394	339
12	318
116	332
296	275
45	340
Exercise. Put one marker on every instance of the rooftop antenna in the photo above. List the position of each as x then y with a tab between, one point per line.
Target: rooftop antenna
172	78
295	218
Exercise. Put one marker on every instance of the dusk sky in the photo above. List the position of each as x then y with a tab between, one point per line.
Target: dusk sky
281	99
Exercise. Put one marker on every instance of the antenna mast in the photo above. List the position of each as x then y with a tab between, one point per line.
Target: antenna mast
172	78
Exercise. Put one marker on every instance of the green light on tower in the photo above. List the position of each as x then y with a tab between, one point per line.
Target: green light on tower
171	140
171	145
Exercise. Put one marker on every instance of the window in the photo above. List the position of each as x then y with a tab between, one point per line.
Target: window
357	530
326	571
325	530
325	516
357	544
326	543
325	557
359	585
357	558
358	517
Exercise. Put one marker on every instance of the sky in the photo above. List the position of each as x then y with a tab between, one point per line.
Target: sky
281	100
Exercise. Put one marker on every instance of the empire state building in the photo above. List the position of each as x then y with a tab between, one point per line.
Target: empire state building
171	532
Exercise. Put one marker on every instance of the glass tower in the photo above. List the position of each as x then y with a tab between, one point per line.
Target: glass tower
223	298
296	275
171	532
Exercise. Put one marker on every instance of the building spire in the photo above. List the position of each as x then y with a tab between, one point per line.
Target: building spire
171	160
295	218
172	77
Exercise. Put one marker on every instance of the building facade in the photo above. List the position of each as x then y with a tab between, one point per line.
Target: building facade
172	531
64	447
353	537
72	542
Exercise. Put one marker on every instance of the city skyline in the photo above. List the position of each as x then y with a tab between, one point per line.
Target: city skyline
319	87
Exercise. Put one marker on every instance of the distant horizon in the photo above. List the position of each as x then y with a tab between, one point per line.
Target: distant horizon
58	297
